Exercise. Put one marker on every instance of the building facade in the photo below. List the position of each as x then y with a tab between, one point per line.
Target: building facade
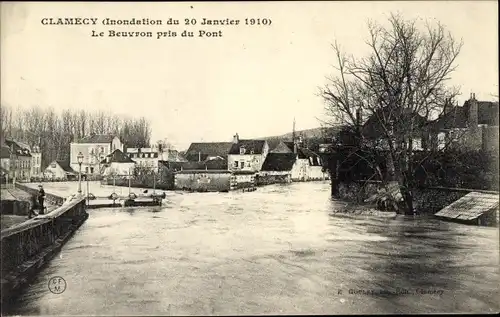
36	162
118	163
145	157
307	165
94	148
5	155
473	126
247	155
20	160
59	170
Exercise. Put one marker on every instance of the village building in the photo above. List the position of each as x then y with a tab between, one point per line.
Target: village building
94	148
117	163
151	158
5	155
214	152
20	160
247	155
277	168
307	165
60	170
374	133
145	157
473	126
36	162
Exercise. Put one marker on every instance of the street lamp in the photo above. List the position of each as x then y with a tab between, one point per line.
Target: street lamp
80	161
87	179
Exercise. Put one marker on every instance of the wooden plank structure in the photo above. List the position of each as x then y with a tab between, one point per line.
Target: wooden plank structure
474	208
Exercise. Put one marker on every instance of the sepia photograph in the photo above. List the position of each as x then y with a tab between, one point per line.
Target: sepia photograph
249	158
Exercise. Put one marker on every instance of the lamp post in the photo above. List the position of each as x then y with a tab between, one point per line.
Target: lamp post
80	161
88	191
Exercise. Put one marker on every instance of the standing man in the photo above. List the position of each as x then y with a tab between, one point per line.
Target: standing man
41	198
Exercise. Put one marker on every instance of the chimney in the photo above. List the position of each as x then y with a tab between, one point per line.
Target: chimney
472	111
359	117
236	139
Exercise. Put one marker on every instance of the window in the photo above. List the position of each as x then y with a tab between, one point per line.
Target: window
53	165
86	169
242	164
236	164
441	140
417	144
91	170
242	150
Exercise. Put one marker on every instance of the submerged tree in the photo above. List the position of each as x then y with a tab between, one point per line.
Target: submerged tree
400	86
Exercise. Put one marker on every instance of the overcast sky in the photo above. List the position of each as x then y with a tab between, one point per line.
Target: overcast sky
253	80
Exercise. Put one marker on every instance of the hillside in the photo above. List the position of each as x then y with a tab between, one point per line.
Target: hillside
312	137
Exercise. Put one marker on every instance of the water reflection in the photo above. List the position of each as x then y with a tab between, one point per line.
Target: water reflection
278	250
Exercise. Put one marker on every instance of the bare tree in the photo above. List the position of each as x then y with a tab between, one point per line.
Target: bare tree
400	86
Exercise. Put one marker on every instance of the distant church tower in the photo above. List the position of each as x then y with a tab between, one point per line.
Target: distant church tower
294	139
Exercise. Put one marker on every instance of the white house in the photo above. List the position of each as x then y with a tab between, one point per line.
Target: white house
307	166
94	148
36	162
247	155
5	158
117	163
59	170
145	157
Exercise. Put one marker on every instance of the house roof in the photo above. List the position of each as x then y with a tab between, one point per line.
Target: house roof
97	138
4	152
279	162
273	142
458	117
255	146
117	156
205	149
372	128
64	164
215	164
18	148
302	152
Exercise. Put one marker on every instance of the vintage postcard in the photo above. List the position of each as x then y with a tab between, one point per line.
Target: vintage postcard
249	158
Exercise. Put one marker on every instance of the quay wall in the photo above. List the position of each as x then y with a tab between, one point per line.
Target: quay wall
14	207
139	183
203	181
27	247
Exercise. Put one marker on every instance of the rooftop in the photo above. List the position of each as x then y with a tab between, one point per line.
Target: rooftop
279	162
117	156
251	146
97	138
200	151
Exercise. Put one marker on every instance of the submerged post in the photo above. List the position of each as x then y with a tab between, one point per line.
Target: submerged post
129	180
154	182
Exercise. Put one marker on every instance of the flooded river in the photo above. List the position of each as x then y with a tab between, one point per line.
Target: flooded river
279	250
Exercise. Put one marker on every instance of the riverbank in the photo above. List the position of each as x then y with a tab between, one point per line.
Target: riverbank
28	246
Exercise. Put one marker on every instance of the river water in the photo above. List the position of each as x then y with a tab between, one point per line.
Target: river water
278	250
